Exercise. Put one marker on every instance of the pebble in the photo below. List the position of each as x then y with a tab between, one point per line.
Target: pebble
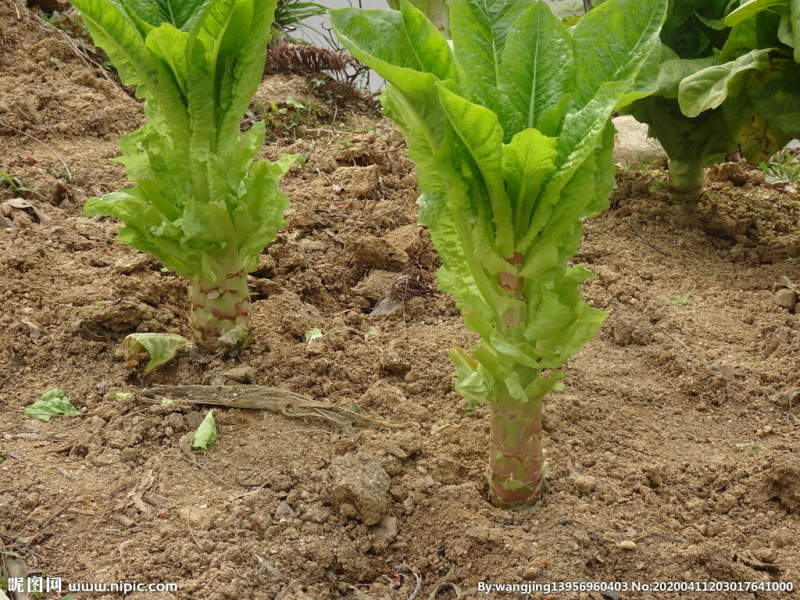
360	483
284	512
786	298
96	423
585	484
396	451
627	545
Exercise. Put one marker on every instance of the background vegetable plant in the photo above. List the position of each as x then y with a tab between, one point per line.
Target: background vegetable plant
202	205
725	82
509	126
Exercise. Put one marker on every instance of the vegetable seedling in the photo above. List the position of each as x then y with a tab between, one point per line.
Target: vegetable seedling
508	123
202	204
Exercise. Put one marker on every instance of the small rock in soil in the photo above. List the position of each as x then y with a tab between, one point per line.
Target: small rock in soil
284	512
395	359
360	483
376	285
242	374
384	533
377	253
405	238
530	573
786	298
585	484
396	451
358	181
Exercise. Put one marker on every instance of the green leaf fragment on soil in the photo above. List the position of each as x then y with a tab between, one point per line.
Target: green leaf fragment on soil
313	334
206	433
54	402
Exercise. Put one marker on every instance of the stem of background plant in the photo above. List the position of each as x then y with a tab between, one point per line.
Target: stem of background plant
221	306
686	182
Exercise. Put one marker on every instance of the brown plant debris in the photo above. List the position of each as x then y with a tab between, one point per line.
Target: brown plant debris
285	402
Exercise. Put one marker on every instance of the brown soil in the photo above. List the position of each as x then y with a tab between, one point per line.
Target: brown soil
673	451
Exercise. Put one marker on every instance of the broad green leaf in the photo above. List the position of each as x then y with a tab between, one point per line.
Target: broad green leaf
633	25
479	29
169	44
578	139
162	348
527	161
406	49
537	66
394	42
52	403
243	74
115	33
794	15
178	13
482	135
206	64
758	32
785	32
710	87
437	11
206	433
751	8
675	70
775	95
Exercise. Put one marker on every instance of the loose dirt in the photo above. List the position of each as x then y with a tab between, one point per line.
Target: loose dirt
673	450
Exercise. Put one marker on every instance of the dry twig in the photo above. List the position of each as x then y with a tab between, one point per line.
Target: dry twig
289	404
56	154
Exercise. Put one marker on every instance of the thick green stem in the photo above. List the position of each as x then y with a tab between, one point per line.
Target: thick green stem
686	181
516	458
221	309
517	464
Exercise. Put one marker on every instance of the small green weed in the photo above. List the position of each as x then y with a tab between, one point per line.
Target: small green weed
70	24
13	185
681	300
291	14
285	120
782	167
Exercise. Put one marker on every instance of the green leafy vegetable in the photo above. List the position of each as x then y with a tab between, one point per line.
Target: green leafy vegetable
206	433
54	402
162	348
724	81
509	126
202	204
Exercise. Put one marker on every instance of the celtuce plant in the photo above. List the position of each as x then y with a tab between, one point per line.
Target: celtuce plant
727	80
509	126
202	205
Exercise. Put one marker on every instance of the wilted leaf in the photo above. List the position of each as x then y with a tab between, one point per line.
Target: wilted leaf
162	348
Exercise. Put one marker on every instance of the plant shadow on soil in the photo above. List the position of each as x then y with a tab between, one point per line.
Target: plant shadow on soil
673	450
